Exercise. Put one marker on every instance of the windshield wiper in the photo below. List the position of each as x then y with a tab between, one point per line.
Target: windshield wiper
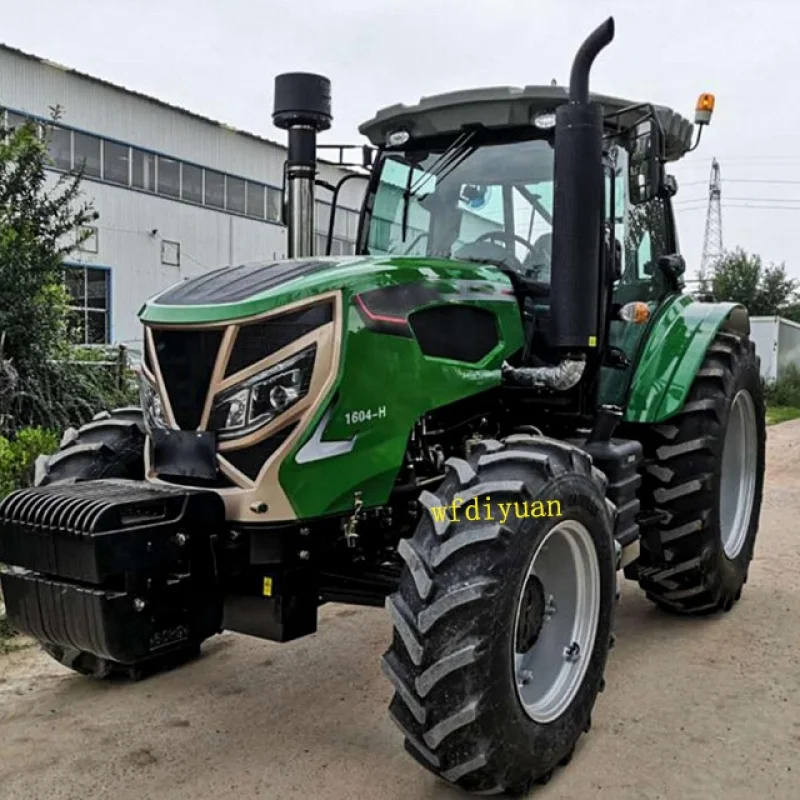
448	160
456	149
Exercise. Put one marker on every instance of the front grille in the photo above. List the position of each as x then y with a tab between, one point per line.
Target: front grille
250	460
186	359
260	339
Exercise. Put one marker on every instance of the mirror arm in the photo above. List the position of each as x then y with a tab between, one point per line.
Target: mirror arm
697	140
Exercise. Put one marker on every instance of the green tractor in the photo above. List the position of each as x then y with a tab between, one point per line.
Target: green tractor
503	401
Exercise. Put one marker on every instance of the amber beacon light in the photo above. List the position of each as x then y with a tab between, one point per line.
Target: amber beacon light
704	109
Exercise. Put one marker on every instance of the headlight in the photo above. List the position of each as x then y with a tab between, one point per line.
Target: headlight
258	400
152	407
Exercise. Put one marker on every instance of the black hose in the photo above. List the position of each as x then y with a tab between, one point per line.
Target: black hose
579	76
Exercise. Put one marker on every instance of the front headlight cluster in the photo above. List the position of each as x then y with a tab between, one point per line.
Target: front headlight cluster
152	407
258	400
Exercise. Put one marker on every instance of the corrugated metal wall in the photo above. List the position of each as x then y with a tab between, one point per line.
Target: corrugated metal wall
133	225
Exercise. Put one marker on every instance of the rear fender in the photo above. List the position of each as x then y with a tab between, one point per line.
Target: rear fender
673	352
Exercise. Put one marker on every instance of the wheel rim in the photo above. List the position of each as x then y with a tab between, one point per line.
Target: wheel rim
559	608
738	476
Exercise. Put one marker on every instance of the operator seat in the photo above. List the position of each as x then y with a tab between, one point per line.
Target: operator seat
537	264
489	253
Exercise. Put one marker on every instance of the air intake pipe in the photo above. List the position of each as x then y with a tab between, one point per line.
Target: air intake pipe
578	207
303	108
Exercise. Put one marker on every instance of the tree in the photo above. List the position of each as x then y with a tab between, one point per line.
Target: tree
39	226
741	277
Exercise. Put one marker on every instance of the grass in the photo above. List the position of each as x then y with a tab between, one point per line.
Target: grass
776	414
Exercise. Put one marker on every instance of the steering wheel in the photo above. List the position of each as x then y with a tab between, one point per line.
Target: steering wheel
508	239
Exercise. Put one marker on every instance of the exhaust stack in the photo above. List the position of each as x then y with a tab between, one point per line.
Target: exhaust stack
578	206
303	108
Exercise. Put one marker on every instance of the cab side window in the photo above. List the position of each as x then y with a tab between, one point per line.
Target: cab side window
646	240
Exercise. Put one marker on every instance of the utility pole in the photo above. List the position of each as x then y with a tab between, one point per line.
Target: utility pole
712	241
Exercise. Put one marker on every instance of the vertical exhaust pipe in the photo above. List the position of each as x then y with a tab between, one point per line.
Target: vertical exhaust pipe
303	108
578	207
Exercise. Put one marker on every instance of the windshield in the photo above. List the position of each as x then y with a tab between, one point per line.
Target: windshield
488	203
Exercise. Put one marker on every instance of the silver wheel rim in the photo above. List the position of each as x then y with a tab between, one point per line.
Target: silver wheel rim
738	475
550	673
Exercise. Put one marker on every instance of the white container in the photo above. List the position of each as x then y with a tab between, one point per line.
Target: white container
777	343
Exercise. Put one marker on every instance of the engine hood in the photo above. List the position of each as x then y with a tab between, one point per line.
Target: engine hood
233	293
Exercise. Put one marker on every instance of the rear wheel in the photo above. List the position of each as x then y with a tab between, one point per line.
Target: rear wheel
110	446
502	624
705	477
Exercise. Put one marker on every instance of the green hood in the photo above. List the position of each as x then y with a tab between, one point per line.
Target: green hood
233	293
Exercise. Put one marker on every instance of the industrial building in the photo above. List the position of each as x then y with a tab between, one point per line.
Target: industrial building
177	194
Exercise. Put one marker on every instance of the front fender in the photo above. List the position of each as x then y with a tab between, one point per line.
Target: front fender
673	352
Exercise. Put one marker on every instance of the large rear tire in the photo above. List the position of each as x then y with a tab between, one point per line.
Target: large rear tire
110	446
704	478
500	643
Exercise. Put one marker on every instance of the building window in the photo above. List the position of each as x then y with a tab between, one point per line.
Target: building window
116	163
89	296
87	154
255	200
91	243
215	189
144	170
192	183
234	194
125	165
273	204
170	253
322	216
169	177
59	146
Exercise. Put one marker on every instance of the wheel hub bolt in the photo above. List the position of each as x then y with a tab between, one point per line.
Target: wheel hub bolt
138	604
572	653
550	607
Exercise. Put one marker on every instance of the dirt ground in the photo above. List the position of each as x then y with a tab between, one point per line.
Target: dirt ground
702	709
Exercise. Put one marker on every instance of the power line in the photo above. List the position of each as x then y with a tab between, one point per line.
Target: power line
743	180
739	205
751	200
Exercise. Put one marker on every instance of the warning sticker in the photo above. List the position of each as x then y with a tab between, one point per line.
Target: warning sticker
267	587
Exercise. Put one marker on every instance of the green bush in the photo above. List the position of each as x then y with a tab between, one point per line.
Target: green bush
18	456
67	392
786	390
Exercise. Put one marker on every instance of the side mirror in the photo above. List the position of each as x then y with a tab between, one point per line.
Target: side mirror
645	173
673	266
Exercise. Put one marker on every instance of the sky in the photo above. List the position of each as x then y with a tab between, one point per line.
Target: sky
218	58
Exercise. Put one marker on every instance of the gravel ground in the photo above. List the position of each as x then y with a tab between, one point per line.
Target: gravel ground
698	708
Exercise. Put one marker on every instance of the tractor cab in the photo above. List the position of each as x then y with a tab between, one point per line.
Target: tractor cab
470	176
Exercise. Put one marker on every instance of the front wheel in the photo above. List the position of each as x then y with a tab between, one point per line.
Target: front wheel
502	621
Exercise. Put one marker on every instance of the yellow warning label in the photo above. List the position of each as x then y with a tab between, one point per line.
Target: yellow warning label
267	587
592	341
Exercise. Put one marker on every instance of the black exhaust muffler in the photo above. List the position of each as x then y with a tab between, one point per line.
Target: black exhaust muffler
578	207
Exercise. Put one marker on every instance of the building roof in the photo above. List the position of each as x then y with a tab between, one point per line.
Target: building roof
149	98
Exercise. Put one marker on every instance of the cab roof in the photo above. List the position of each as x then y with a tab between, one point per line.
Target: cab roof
506	107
